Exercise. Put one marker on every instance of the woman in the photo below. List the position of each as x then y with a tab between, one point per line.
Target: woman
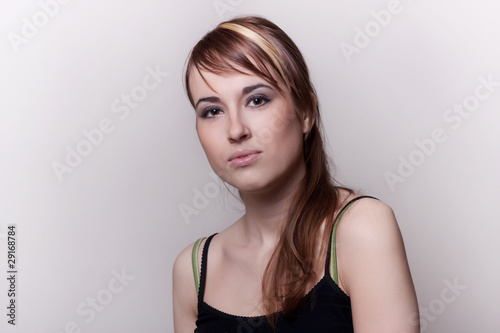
307	255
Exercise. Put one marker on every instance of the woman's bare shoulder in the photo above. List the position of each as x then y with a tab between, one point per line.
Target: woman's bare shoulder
373	268
367	217
184	291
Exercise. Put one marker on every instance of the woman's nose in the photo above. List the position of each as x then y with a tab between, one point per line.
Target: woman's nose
238	130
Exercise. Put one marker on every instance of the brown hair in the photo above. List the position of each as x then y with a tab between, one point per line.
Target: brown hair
258	45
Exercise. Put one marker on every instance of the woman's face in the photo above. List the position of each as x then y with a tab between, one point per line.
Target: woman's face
250	132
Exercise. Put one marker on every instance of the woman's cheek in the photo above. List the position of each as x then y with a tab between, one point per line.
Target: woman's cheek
268	130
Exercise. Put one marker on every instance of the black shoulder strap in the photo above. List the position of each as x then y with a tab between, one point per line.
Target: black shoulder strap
203	271
331	255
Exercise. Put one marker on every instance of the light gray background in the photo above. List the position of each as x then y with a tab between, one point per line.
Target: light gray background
119	209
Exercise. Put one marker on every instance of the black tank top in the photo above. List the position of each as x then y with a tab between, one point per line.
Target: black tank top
326	308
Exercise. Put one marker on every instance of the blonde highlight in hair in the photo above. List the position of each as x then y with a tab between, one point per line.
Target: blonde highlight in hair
262	43
259	46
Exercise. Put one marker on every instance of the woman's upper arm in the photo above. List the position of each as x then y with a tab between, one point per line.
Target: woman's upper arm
373	270
184	293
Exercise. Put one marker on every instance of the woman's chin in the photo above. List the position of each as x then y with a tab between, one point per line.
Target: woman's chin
249	187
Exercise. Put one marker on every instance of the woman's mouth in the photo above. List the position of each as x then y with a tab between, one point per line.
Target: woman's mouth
244	158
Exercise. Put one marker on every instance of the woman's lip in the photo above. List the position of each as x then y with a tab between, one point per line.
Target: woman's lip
242	153
245	160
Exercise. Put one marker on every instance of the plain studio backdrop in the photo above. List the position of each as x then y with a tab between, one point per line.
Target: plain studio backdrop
103	176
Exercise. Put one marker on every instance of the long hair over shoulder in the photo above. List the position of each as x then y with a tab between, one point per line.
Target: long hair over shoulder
261	47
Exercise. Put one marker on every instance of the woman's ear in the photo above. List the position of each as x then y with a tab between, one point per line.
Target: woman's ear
309	117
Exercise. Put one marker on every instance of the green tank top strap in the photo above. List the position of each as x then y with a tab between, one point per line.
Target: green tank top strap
333	248
194	258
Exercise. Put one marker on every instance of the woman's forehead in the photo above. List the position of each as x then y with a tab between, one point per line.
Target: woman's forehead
206	83
202	81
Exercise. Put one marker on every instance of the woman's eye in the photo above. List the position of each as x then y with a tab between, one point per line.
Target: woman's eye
210	112
257	101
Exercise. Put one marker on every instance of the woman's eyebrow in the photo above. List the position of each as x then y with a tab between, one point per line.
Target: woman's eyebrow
249	89
244	91
211	99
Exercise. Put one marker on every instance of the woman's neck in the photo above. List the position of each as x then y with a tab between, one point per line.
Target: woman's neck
265	212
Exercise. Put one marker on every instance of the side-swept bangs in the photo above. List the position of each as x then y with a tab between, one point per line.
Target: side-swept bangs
255	45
